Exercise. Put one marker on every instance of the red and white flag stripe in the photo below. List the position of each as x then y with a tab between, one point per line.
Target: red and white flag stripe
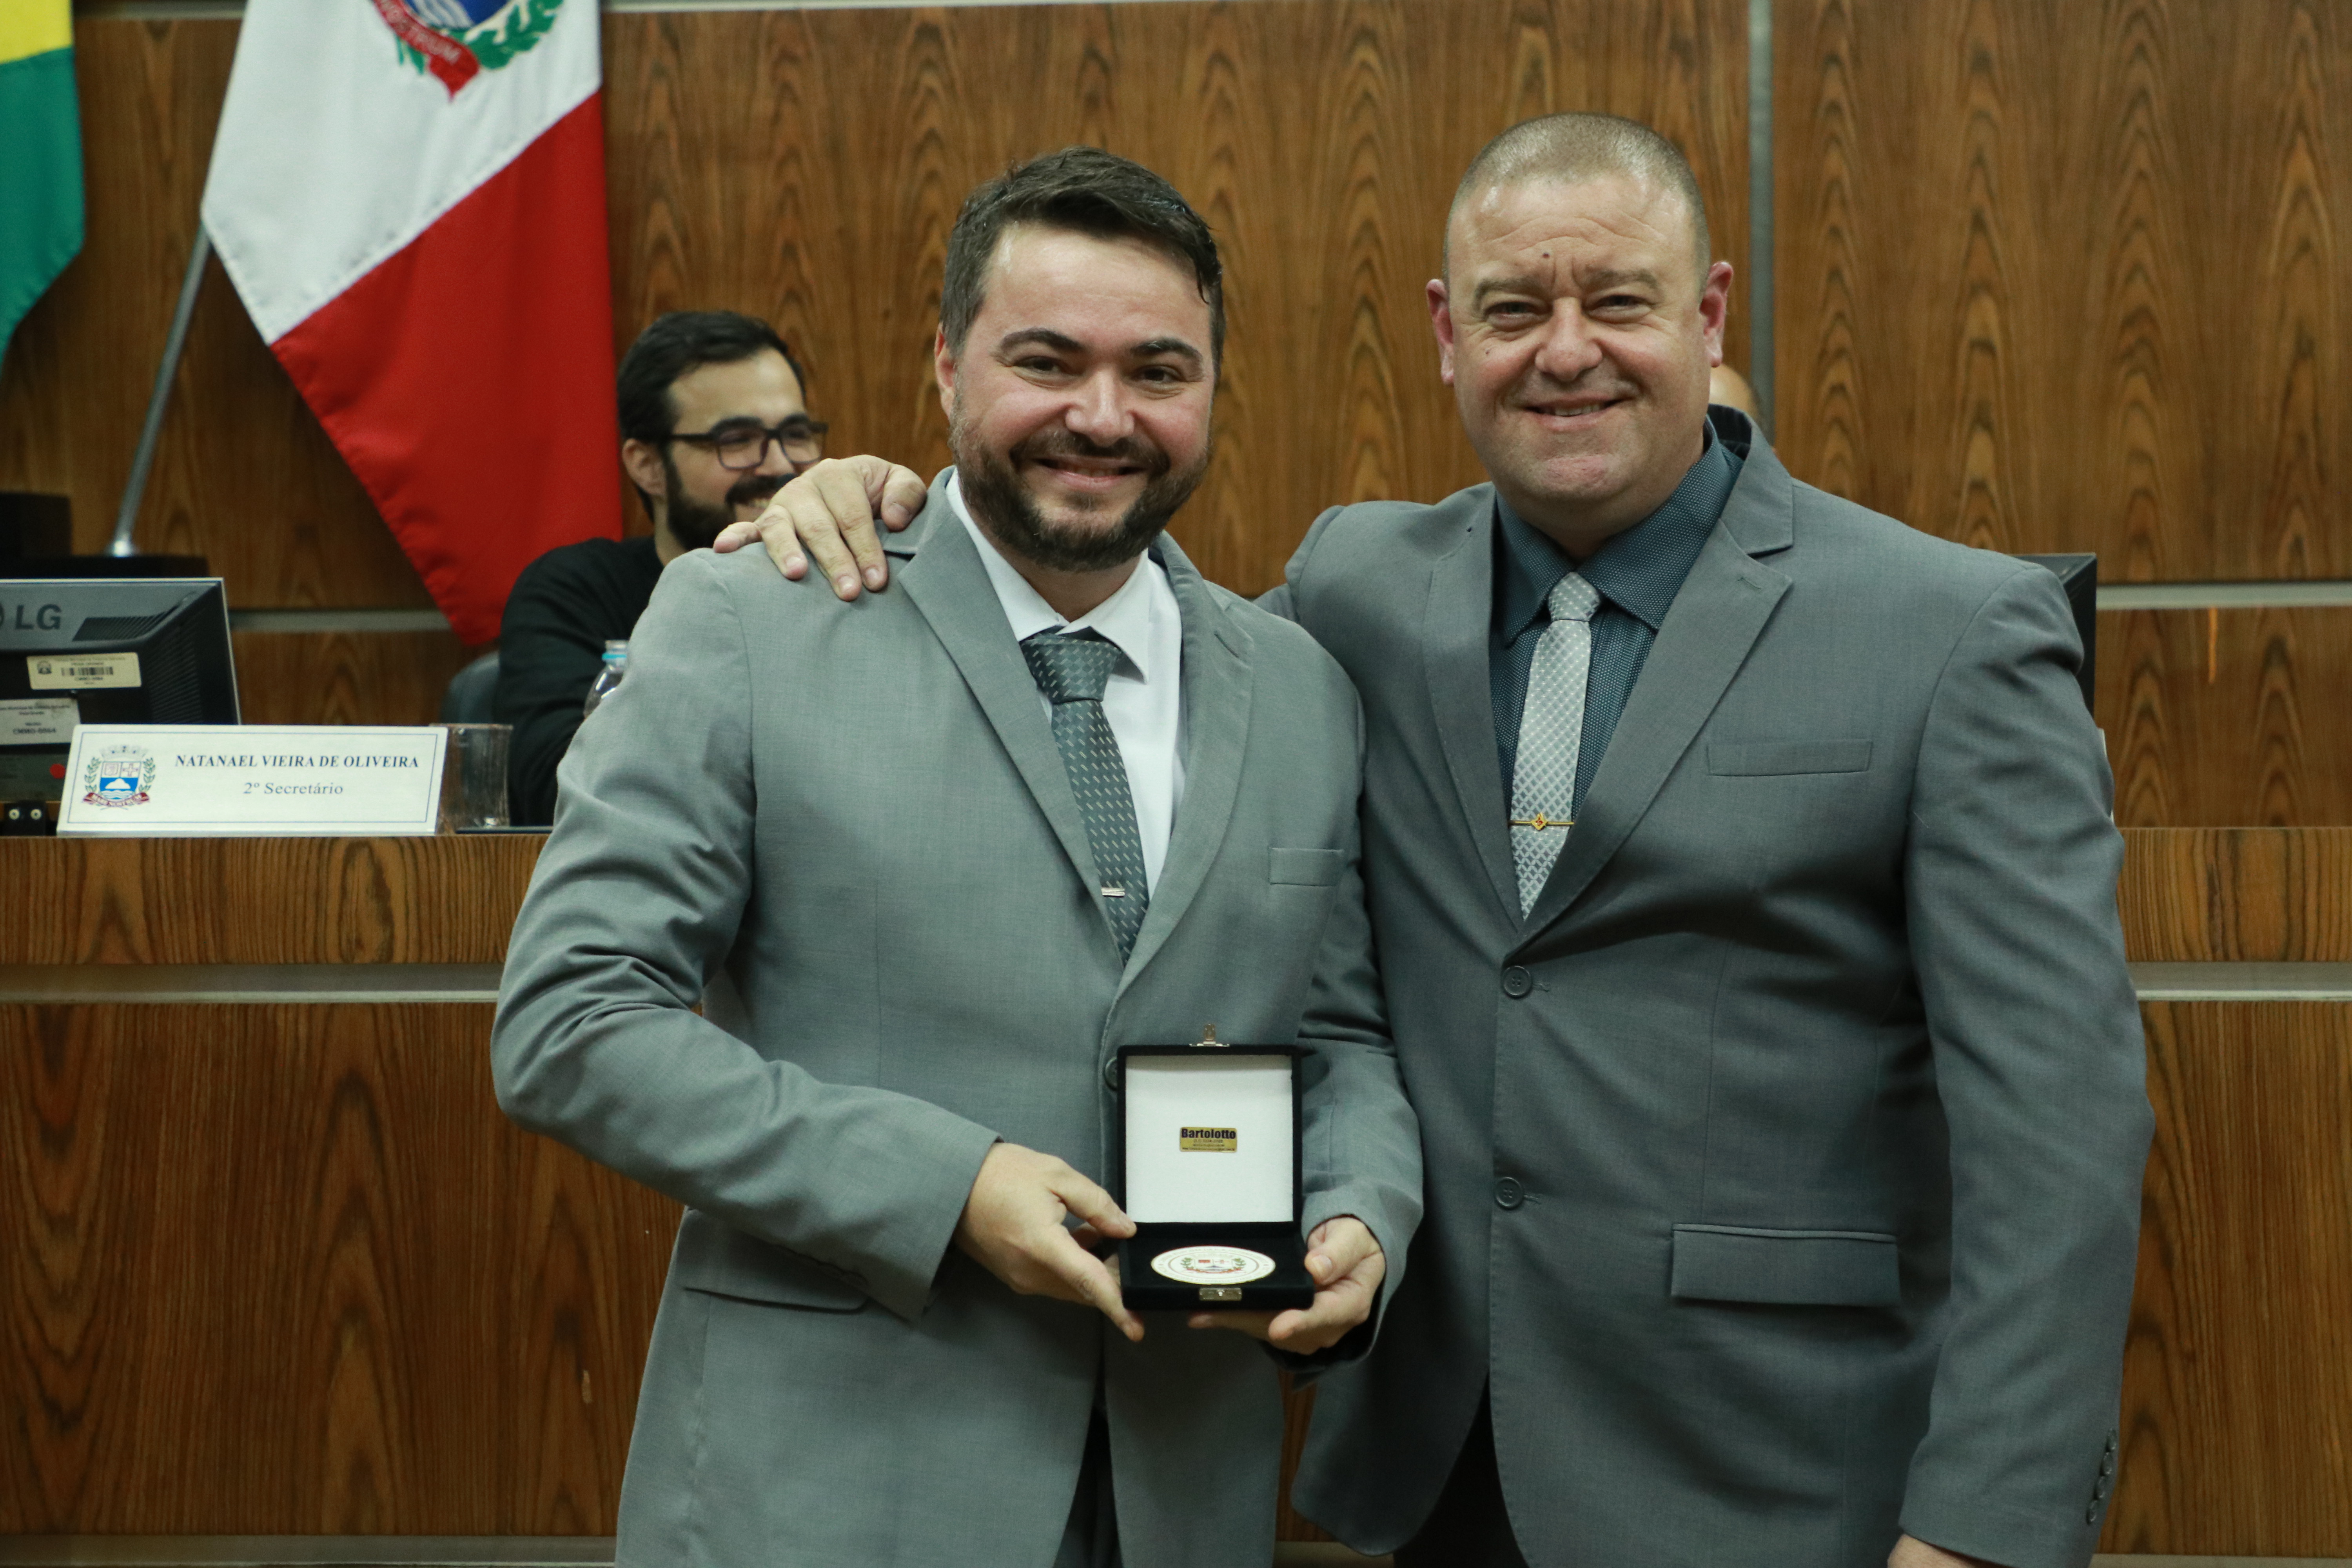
409	195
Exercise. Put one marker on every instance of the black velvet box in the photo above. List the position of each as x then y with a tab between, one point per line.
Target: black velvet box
1207	1164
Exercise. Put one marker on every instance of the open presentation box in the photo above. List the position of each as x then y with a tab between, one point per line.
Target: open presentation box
1208	1167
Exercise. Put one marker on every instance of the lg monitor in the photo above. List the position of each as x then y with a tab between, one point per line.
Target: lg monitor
89	651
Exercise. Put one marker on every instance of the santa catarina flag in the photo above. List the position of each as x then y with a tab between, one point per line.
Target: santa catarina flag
40	175
409	195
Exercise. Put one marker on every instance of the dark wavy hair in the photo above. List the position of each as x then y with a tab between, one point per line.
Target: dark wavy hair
1087	191
676	343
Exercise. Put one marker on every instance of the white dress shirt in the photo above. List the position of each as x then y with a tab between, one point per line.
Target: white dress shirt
1143	699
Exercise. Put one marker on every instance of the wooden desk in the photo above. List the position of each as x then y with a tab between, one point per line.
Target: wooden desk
281	1268
277	1266
2237	1376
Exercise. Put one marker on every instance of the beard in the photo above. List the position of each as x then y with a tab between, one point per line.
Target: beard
696	525
1010	515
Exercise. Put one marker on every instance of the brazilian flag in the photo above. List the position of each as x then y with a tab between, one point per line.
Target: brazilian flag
40	175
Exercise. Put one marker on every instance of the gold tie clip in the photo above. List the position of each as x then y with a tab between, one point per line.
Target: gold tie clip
1539	822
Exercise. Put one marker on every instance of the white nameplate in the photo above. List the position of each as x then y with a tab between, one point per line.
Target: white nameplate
148	780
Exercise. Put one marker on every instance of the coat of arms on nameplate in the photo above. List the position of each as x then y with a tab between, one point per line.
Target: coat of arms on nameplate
118	776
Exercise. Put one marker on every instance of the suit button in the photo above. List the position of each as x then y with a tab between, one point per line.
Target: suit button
1508	1193
1110	1072
1518	982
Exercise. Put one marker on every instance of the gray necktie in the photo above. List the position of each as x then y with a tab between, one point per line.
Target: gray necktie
1552	730
1072	670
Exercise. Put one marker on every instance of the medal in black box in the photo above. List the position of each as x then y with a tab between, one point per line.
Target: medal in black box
1207	1164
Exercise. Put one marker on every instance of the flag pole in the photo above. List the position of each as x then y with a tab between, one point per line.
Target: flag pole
149	434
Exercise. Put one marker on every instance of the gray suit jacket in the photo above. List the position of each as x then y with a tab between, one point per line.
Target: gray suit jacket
1784	1166
850	824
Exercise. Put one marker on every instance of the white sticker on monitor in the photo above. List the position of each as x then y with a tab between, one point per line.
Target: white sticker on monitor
41	721
1213	1265
68	671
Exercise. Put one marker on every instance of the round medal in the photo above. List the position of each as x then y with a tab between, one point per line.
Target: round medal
1213	1265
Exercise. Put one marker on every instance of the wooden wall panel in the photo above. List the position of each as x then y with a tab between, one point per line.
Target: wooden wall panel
345	678
2056	277
2237	1422
1322	141
449	899
2217	718
287	1270
2237	895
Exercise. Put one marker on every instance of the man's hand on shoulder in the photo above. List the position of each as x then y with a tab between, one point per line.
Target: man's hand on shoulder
1913	1552
1348	1266
1012	1225
828	511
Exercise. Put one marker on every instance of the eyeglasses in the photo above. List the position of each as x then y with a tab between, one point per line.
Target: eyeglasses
743	443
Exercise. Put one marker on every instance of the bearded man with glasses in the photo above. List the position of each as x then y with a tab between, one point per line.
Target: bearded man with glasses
713	422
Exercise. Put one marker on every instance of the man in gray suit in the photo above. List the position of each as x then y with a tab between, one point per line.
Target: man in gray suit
1057	797
1744	888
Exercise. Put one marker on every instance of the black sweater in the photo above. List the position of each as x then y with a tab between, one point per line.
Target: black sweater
564	608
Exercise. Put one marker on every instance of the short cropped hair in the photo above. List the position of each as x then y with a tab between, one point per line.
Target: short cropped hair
677	344
1083	190
1576	147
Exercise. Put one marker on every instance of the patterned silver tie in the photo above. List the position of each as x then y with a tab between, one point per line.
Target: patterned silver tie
1072	670
1552	730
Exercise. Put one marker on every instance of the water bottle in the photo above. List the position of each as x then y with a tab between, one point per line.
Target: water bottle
616	665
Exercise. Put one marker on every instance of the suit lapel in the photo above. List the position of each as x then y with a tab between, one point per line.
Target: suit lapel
1455	659
1716	619
1217	689
942	576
